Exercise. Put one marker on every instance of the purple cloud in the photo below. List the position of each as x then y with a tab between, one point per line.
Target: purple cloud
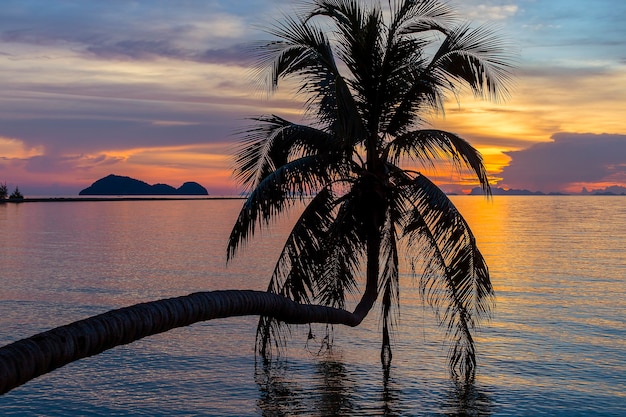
56	164
570	159
59	136
136	50
146	50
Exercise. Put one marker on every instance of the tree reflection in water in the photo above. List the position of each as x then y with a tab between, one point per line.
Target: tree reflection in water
331	394
465	399
391	394
334	390
279	396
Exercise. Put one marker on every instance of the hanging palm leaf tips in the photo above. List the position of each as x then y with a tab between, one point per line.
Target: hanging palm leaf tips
370	76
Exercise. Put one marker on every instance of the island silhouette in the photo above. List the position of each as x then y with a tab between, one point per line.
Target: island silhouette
121	185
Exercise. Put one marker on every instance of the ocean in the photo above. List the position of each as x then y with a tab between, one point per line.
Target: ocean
556	344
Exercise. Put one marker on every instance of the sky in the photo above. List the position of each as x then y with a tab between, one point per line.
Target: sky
156	89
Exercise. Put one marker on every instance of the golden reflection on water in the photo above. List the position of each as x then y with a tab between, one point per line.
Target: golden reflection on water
558	266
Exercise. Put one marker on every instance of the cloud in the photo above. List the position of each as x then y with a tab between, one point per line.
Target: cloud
130	30
555	31
15	148
92	135
491	12
147	50
234	55
55	174
137	50
55	164
567	163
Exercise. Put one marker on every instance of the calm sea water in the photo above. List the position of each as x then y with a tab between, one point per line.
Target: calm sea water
556	344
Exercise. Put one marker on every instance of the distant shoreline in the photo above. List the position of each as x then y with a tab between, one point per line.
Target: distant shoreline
110	198
189	198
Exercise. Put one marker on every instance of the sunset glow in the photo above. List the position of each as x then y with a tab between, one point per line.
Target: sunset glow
90	91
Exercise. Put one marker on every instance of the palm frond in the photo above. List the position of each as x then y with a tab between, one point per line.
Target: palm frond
305	52
413	17
273	141
408	86
389	279
270	337
301	262
429	145
477	57
347	14
411	89
318	262
359	44
278	190
344	248
263	148
300	48
455	276
298	268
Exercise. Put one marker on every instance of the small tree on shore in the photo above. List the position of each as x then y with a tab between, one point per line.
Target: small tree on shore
4	191
16	195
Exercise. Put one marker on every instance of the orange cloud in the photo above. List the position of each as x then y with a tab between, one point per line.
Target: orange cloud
16	148
209	165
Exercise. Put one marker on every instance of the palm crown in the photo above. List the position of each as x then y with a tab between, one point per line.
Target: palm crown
369	77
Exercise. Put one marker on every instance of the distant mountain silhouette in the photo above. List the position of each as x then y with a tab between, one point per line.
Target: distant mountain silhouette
502	191
611	190
119	185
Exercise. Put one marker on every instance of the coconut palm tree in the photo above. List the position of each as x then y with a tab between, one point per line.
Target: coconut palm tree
369	81
369	78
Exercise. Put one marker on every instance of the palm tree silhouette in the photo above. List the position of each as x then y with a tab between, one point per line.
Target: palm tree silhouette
369	78
368	81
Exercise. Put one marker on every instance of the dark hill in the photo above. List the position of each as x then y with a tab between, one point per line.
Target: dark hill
502	191
118	185
192	188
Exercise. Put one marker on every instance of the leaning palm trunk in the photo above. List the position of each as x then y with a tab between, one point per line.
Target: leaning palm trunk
37	355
